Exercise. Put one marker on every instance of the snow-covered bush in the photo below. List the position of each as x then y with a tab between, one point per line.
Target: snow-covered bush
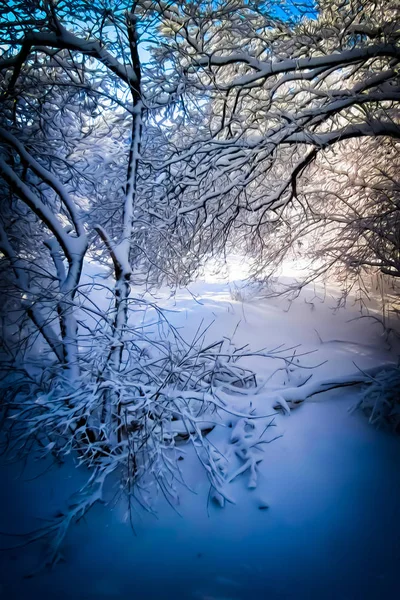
126	426
380	398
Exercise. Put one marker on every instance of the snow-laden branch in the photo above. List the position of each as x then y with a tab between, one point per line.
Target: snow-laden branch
44	213
64	39
47	177
29	302
265	70
290	397
372	128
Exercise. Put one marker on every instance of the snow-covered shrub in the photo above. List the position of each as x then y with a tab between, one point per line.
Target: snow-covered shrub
130	423
380	398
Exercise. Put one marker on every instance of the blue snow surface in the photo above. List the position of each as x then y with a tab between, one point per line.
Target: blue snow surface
332	483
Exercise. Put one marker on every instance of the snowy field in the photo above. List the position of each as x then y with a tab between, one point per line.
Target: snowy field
322	522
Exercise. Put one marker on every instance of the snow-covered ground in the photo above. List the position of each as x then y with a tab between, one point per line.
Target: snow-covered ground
323	521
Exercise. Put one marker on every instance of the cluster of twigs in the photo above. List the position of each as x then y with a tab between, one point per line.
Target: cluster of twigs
380	397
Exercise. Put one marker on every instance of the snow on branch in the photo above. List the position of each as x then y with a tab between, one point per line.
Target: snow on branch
265	70
64	39
47	177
